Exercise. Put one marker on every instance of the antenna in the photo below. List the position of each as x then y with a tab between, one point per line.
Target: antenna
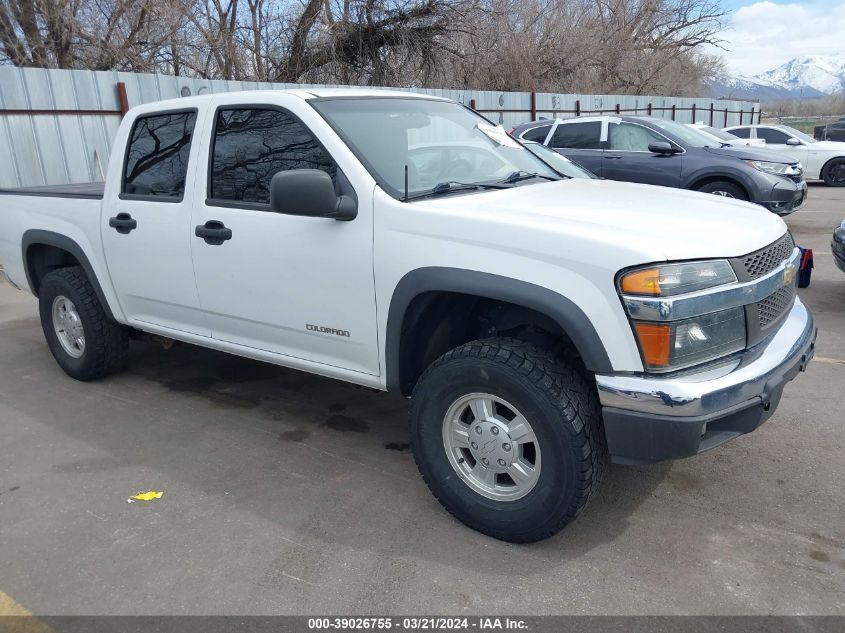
406	183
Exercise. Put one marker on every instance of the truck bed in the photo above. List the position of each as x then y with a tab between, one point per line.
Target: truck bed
92	190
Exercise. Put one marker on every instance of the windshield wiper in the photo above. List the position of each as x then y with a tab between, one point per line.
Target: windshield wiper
516	176
452	186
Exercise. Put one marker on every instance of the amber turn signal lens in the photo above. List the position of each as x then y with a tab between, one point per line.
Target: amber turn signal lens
642	282
655	343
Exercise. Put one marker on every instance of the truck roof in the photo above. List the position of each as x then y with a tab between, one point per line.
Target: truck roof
256	96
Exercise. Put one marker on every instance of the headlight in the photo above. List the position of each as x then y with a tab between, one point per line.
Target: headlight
680	344
676	344
778	169
675	279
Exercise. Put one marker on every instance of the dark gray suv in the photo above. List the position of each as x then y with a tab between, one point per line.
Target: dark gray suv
659	152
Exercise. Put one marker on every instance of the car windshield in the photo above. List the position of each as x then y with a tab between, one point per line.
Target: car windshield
443	145
804	138
559	163
689	136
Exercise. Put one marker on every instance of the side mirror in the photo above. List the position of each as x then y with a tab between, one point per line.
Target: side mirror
309	192
661	147
793	142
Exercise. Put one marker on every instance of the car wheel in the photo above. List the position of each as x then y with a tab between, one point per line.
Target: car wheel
508	438
833	173
724	189
84	342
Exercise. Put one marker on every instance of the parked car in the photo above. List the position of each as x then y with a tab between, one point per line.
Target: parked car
725	138
537	323
822	160
560	163
838	246
658	152
830	132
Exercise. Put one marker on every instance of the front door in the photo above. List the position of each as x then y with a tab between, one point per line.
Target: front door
146	232
300	287
628	158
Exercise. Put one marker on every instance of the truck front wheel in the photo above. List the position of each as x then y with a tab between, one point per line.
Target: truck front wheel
508	438
84	342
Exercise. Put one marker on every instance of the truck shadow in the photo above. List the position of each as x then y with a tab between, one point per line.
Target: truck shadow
327	462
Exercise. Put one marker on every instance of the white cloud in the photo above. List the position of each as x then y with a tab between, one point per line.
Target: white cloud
764	35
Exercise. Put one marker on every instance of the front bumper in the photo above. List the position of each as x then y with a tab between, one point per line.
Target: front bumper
787	197
652	418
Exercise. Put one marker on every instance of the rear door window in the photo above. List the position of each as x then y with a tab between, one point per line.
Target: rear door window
741	132
537	134
586	135
157	156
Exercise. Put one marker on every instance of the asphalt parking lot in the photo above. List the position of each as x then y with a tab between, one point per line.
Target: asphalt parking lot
291	494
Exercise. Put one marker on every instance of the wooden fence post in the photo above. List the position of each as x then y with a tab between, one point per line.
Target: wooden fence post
649	109
711	115
577	107
533	106
673	111
122	98
693	113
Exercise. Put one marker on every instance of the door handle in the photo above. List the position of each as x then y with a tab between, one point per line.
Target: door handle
213	232
614	156
123	223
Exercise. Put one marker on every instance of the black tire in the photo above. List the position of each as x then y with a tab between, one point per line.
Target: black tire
106	342
724	188
563	410
833	173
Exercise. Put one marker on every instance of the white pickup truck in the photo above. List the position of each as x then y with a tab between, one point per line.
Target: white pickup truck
540	323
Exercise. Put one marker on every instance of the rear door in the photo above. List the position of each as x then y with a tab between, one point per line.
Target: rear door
579	141
297	286
146	224
628	157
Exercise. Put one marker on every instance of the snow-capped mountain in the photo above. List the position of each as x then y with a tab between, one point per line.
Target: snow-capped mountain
808	76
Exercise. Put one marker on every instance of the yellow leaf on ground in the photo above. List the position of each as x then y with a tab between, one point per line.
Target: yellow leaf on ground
147	496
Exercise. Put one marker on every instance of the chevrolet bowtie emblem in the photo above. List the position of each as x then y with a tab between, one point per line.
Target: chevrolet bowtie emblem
789	274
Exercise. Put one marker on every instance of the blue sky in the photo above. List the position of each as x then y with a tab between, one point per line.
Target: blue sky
761	35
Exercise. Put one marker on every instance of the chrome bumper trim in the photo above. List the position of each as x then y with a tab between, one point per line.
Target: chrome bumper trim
713	299
752	375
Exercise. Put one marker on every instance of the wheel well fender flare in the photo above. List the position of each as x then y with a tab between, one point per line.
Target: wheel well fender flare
39	237
562	310
828	162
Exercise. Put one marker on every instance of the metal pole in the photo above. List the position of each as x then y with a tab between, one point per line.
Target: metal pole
123	98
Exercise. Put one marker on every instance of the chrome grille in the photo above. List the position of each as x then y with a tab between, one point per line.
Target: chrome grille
775	305
767	259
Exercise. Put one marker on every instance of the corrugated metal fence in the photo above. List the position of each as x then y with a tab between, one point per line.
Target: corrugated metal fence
56	126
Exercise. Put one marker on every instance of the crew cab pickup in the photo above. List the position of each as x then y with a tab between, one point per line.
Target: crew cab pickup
539	323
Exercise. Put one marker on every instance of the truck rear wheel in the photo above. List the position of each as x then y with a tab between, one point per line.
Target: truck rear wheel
84	342
508	438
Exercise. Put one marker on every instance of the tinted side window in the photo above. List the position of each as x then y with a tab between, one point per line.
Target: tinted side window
772	136
627	137
537	134
741	132
251	145
157	155
578	135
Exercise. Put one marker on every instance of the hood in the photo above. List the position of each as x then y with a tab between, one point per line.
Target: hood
657	222
745	152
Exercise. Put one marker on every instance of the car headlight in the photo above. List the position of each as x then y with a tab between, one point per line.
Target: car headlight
679	344
676	344
674	279
778	169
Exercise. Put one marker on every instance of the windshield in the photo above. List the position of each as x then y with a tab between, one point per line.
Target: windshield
439	142
689	136
559	163
804	138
